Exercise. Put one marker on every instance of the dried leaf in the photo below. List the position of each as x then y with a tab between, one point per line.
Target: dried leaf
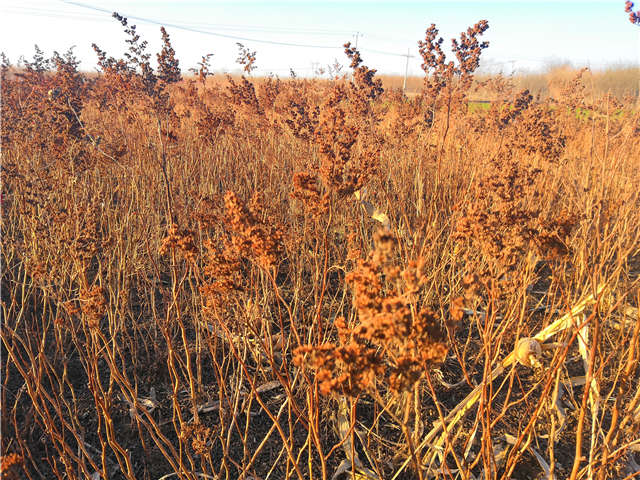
372	211
543	464
266	387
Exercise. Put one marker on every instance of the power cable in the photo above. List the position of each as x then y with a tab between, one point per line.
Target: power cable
204	32
222	35
192	27
30	11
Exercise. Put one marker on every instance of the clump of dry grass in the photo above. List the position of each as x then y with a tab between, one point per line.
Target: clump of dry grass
193	285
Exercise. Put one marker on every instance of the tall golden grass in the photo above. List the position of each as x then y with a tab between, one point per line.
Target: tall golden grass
243	278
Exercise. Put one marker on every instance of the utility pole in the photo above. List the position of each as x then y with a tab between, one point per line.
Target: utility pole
357	34
406	70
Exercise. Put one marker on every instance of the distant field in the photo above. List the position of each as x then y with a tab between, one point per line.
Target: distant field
620	81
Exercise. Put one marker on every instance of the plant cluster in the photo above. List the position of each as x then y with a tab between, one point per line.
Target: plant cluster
391	337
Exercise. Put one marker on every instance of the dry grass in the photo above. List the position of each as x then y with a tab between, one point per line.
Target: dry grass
620	81
269	278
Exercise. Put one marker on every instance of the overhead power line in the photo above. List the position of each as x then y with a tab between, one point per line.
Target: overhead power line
205	29
99	15
192	29
198	30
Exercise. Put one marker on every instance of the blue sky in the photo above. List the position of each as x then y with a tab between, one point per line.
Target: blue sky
524	35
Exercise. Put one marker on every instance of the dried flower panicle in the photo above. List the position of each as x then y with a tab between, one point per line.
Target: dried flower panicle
505	223
252	236
504	114
497	223
243	94
168	64
572	93
268	92
457	309
348	369
199	435
44	103
348	146
552	235
93	305
211	121
303	118
390	339
406	118
439	72
10	465
634	17
181	240
306	190
222	275
247	238
538	132
445	82
364	88
344	168
246	58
